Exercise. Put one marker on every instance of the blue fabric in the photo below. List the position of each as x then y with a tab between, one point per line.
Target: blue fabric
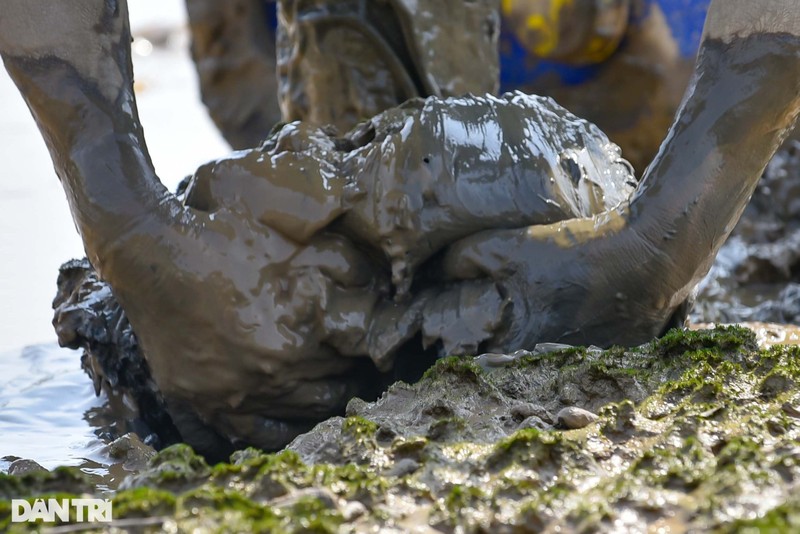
685	19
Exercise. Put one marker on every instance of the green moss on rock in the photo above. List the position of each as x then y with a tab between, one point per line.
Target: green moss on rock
699	429
460	367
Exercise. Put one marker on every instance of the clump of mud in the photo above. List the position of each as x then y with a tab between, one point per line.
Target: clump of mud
88	317
756	276
695	431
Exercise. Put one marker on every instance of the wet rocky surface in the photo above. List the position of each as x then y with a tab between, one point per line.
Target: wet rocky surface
697	431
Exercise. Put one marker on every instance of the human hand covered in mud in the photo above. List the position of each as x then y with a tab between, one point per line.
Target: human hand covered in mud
620	277
240	321
257	302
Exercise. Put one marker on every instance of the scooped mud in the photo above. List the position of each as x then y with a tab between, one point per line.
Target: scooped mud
302	180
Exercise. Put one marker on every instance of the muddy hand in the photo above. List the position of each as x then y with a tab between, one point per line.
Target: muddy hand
235	318
619	277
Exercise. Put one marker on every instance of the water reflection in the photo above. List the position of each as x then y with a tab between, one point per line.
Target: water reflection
49	413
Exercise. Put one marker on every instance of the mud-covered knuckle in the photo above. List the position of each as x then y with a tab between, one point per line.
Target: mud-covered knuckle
484	255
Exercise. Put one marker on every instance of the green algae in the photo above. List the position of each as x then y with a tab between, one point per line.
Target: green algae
61	479
531	446
700	429
144	502
359	427
458	367
783	518
680	343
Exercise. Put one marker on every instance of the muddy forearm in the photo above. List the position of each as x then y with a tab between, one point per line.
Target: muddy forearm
105	170
692	197
636	265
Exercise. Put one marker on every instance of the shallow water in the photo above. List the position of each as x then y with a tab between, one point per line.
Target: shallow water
46	406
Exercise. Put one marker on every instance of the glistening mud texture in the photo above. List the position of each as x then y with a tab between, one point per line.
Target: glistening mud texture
636	265
336	62
87	316
233	49
697	432
296	272
500	162
343	61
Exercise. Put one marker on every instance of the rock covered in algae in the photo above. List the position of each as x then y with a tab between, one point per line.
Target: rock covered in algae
697	431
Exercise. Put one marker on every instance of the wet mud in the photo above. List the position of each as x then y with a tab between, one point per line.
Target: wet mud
340	62
86	316
333	62
695	432
738	111
233	49
300	274
401	226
